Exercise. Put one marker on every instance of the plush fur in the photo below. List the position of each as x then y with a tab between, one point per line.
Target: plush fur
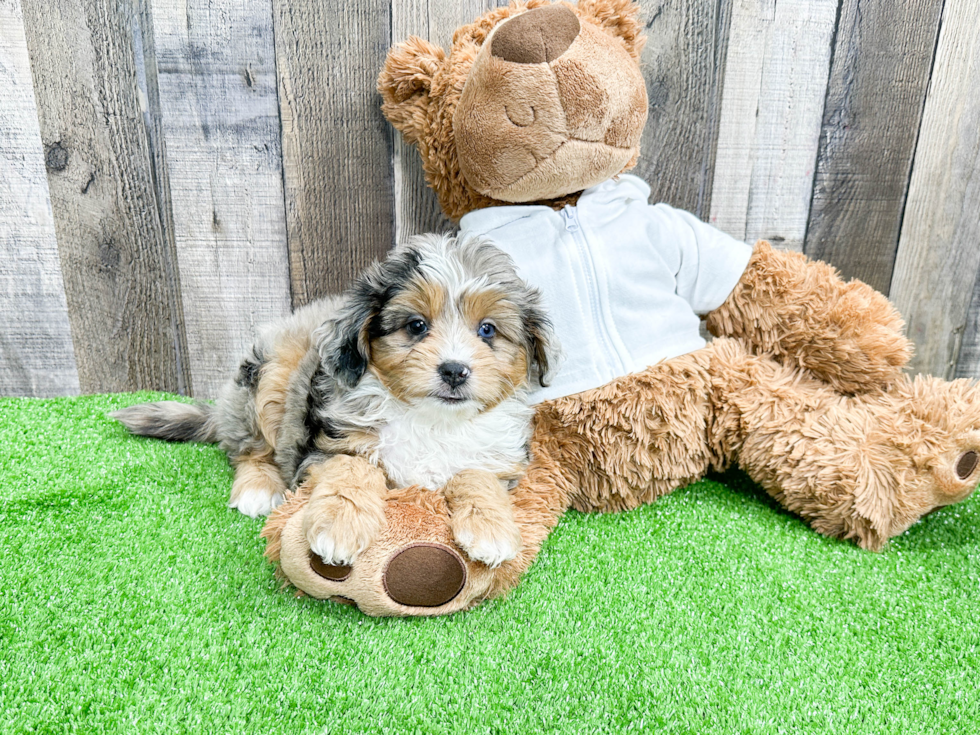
803	386
421	369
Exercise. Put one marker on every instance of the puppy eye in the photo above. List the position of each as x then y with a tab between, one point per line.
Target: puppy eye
486	330
417	327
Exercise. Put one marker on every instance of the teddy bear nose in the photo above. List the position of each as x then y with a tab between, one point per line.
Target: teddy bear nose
537	36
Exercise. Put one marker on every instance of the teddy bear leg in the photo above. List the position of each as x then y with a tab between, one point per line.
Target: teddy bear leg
863	467
415	566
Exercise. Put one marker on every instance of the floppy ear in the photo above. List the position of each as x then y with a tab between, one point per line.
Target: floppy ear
405	83
541	345
344	344
619	18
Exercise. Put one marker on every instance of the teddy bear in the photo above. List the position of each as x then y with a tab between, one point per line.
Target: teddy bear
526	129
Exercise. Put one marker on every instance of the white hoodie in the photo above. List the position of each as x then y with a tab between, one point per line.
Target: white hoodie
623	281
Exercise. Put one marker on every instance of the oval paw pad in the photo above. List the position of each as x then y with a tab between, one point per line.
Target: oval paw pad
424	575
966	464
329	571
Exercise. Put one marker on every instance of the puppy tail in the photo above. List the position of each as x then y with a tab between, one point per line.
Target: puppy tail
178	422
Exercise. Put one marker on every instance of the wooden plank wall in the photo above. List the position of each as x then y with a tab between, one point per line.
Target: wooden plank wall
939	248
173	174
36	355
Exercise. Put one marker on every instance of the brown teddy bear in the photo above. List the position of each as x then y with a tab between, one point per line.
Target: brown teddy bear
525	128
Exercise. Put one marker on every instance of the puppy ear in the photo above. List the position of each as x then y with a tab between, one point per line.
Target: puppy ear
619	18
542	346
405	83
344	344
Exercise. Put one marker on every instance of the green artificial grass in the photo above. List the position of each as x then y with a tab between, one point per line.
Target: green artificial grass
134	601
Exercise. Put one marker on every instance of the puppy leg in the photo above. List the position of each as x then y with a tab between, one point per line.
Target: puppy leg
258	488
346	509
481	517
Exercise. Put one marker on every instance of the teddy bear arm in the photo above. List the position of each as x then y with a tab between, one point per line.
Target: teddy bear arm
802	313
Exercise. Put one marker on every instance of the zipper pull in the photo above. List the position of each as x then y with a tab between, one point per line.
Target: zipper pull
570	216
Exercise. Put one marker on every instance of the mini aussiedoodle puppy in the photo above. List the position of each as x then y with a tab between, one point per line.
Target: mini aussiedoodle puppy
422	369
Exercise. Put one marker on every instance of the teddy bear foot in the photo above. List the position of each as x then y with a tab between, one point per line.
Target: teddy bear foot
413	568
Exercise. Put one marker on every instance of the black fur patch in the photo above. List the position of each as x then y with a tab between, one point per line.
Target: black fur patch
249	370
317	401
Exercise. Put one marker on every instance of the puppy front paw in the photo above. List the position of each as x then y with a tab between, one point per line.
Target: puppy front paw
337	534
257	489
257	501
486	538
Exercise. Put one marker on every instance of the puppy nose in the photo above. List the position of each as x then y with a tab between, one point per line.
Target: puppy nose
537	36
453	374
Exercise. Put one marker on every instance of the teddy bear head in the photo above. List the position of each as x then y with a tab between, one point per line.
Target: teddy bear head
534	102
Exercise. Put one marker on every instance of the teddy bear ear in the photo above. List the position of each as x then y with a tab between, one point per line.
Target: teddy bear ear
405	82
620	18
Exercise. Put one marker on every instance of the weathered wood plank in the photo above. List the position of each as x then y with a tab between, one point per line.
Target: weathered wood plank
416	206
771	111
36	355
968	362
337	146
938	253
119	266
878	79
683	64
217	83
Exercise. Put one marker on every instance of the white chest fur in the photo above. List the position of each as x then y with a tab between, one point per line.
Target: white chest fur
427	445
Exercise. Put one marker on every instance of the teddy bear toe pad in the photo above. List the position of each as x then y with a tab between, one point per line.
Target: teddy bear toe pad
333	572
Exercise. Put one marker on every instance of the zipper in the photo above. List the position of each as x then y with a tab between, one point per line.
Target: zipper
570	214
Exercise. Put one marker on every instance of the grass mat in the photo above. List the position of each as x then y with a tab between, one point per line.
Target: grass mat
134	601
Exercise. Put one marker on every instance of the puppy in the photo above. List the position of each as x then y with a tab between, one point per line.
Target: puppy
418	375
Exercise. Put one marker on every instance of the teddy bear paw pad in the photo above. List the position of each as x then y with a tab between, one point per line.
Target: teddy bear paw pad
333	572
424	575
967	464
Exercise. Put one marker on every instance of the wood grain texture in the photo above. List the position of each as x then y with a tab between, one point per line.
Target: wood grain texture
771	112
36	355
337	147
416	206
118	264
217	84
939	249
882	57
968	361
683	64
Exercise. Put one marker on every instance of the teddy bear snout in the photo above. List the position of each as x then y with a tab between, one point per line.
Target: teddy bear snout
537	36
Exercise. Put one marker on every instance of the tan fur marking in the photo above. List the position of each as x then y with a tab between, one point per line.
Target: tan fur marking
420	297
270	398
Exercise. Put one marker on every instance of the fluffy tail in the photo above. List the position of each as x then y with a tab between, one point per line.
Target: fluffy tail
179	422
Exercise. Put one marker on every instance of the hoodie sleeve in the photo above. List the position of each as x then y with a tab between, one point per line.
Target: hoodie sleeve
708	262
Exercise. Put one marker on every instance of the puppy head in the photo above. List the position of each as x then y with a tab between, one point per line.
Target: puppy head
443	321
